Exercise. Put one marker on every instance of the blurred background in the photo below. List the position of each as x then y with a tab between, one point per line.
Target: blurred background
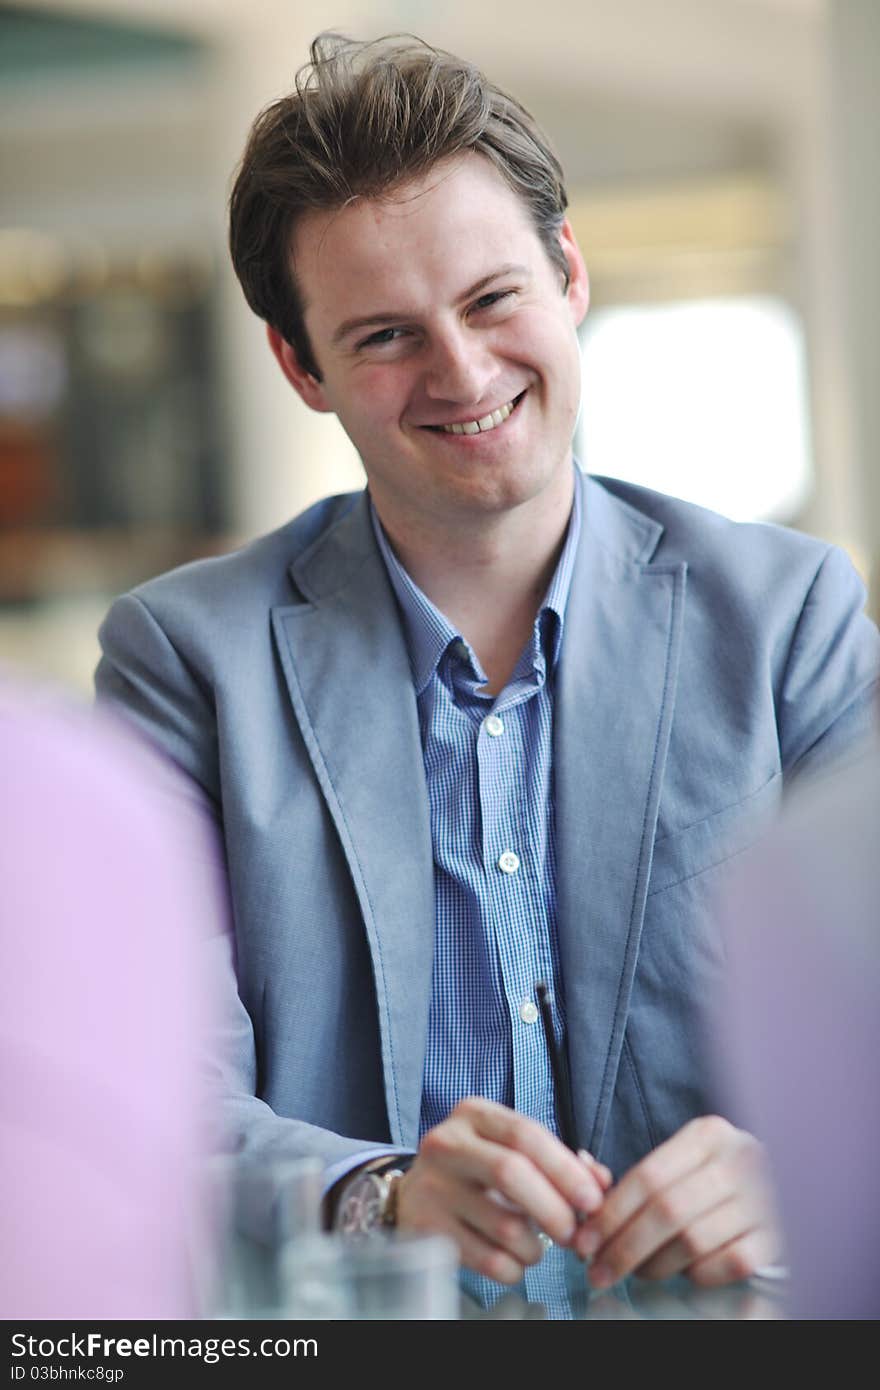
723	179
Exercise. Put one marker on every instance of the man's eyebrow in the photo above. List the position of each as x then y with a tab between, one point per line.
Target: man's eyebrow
392	316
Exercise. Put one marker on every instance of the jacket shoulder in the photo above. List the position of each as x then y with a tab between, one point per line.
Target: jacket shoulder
258	571
711	543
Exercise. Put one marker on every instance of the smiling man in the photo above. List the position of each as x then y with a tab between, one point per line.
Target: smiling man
488	723
455	372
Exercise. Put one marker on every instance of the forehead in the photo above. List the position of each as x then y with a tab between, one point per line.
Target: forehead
429	237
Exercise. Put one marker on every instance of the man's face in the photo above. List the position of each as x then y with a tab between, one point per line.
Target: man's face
439	307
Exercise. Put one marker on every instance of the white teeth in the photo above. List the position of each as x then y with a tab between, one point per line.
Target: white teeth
488	422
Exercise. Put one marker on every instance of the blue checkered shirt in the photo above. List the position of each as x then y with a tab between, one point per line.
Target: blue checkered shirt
489	771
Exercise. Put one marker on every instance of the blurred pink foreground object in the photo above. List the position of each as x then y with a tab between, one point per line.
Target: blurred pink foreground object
103	897
800	1034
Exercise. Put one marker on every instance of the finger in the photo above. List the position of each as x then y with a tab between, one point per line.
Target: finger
699	1212
697	1240
674	1213
493	1147
500	1224
603	1175
437	1204
483	1257
579	1183
738	1260
687	1151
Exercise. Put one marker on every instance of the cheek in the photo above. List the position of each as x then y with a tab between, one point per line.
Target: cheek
554	352
377	398
562	349
545	340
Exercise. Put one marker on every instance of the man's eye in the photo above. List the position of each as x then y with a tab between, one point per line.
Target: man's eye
384	335
486	301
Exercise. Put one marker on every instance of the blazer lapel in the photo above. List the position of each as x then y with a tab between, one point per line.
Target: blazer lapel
614	705
350	684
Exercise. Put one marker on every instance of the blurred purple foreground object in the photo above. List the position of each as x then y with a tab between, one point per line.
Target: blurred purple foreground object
800	1034
104	869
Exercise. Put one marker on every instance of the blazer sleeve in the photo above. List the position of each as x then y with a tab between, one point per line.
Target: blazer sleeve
828	697
144	678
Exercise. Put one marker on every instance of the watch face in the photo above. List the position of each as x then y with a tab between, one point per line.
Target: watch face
362	1206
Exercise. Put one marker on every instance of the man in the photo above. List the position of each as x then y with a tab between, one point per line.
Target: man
467	731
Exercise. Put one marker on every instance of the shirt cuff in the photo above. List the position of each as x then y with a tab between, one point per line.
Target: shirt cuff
772	1273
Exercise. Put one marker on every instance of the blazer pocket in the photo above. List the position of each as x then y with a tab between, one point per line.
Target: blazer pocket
693	850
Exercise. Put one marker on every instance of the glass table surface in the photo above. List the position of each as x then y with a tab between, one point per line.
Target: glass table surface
557	1288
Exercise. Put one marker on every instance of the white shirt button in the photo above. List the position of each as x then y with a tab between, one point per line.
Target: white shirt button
493	725
528	1011
509	862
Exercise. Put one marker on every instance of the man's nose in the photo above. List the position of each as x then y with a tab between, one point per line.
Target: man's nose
461	369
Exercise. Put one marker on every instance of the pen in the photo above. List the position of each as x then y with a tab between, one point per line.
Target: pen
564	1108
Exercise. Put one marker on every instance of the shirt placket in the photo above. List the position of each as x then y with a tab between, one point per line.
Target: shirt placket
517	920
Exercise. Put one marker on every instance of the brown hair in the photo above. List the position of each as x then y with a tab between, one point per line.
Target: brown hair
364	117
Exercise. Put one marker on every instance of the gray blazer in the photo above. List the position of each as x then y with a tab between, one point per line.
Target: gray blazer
704	664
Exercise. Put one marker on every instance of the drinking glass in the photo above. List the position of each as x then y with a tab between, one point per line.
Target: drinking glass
250	1212
376	1278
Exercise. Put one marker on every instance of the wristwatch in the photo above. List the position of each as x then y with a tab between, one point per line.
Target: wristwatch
367	1203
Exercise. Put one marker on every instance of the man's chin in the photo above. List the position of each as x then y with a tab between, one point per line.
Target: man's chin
496	495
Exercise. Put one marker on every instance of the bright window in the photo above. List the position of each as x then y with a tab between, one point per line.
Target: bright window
704	399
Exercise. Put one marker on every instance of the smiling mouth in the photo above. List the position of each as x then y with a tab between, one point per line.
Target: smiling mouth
484	424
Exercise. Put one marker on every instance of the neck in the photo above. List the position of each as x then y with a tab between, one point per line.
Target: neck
488	578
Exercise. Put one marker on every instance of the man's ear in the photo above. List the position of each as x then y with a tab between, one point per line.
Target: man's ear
306	386
578	293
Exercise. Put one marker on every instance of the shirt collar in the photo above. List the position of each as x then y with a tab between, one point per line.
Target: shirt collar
428	633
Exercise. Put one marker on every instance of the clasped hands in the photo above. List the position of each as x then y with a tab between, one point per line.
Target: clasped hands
699	1204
